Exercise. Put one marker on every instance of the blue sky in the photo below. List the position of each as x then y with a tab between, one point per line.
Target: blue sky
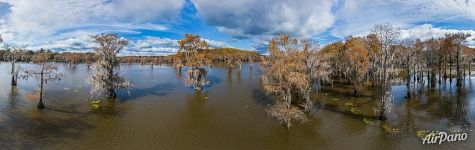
154	26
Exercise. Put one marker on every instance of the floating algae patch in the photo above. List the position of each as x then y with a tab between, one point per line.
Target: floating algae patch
350	104
422	133
369	121
355	111
389	129
95	104
67	89
335	99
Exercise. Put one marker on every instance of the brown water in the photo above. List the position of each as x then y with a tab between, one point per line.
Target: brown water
161	113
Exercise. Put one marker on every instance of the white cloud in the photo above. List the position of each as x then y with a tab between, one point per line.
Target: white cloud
249	18
147	46
427	31
31	21
357	17
217	44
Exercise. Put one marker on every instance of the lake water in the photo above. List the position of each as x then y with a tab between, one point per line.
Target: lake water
162	113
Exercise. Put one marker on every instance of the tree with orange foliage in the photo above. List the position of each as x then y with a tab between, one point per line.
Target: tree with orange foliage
334	52
357	60
292	67
188	50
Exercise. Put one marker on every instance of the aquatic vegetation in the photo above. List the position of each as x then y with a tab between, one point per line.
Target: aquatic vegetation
356	111
95	104
369	121
350	104
422	133
389	129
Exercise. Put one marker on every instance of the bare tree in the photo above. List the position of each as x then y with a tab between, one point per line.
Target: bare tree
14	57
46	73
104	80
407	53
432	46
387	36
457	39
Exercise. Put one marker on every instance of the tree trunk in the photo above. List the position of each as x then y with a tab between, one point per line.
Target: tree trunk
469	67
428	77
459	72
445	70
433	78
111	93
408	82
439	70
450	68
383	90
40	102
110	86
13	75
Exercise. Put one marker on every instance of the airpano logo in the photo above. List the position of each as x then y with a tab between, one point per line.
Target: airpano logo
440	137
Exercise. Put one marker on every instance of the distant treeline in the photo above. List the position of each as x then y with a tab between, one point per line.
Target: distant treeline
215	55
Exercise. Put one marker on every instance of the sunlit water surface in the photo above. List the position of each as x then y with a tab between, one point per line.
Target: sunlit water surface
162	113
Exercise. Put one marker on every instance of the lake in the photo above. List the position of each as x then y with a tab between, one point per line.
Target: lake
162	113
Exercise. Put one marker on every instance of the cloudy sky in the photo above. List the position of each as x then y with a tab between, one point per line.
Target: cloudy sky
154	26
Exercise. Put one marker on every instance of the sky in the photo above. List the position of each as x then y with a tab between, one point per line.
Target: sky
154	26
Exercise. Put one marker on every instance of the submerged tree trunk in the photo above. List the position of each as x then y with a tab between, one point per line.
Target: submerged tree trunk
450	68
110	86
383	90
111	93
439	70
469	67
459	72
14	80
433	78
40	102
408	82
445	70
